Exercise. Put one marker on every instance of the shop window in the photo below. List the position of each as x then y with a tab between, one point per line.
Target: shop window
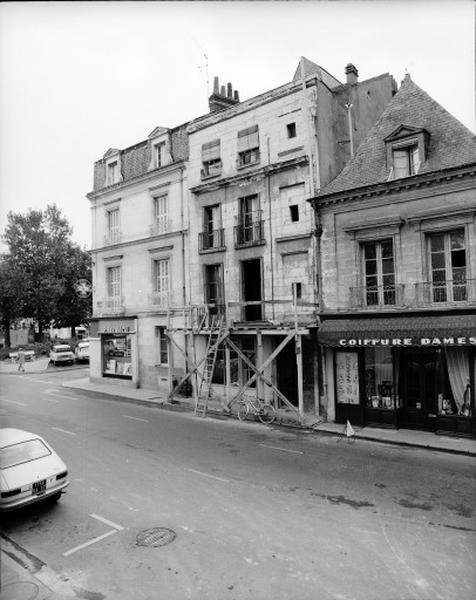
454	397
379	379
447	252
116	356
379	273
162	346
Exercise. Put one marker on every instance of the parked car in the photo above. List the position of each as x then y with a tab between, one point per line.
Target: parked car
61	353
82	351
30	470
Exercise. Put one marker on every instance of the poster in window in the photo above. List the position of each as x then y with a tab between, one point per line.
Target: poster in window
347	378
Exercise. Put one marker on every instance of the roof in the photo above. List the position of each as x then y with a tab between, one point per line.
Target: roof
400	327
10	435
451	143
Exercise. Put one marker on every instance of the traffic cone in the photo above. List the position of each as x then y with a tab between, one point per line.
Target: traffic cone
349	430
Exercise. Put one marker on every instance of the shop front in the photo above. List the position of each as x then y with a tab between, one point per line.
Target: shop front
114	349
412	372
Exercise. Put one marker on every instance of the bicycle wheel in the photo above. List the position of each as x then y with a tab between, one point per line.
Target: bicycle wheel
243	410
267	414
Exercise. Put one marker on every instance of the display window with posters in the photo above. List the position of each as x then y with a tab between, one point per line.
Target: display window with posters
116	355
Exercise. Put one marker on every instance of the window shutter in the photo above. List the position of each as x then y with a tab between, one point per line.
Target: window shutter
211	151
248	138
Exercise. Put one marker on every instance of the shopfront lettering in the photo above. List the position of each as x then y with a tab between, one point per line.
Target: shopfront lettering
408	341
116	327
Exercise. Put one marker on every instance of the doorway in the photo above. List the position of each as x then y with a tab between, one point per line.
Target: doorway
251	289
419	385
287	372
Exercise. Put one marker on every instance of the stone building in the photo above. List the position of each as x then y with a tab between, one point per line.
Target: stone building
398	269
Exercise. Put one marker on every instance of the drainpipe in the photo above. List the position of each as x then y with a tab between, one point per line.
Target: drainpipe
271	254
184	289
351	133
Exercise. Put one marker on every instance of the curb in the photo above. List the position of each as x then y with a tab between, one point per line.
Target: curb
215	414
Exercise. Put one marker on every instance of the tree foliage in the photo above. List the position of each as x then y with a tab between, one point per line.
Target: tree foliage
41	250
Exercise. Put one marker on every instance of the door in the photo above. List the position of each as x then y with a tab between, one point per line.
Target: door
251	286
348	387
418	379
287	371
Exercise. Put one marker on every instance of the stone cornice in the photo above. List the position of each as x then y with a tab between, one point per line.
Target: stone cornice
250	175
396	186
139	241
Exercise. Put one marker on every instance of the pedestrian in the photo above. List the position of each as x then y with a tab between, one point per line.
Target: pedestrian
21	361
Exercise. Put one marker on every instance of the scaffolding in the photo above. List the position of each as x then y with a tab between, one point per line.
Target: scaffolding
216	324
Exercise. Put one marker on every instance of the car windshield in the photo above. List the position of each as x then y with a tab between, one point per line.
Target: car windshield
62	349
83	346
23	452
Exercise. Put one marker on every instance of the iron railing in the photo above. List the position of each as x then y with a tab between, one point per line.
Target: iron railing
249	234
377	296
208	240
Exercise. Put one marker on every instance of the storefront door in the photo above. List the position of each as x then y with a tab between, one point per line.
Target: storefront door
418	380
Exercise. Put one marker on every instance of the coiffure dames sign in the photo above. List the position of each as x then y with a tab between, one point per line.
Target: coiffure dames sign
409	341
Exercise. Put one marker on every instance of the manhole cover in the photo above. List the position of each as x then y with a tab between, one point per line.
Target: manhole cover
156	536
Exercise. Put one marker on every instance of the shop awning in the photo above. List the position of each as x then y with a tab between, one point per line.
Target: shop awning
447	330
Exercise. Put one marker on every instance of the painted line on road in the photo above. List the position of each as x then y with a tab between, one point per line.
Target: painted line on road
93	541
135	418
208	475
64	431
50	400
13	402
282	449
59	395
107	522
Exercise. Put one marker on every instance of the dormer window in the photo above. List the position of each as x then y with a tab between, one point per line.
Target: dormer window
406	151
112	166
112	173
159	154
406	161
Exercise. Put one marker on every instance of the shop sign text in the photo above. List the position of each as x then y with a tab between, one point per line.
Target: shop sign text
409	341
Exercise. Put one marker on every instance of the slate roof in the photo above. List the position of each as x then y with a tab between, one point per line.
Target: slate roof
451	143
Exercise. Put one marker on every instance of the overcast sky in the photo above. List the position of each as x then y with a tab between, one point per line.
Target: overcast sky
77	78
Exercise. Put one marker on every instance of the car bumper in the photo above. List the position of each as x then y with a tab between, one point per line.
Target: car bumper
26	498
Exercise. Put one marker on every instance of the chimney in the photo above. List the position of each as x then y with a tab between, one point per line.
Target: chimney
223	96
351	74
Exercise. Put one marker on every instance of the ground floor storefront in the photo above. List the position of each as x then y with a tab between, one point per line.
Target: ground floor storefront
416	372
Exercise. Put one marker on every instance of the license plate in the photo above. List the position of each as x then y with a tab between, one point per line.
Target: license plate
39	487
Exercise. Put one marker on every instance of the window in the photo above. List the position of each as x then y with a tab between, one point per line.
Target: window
294	211
211	161
448	266
297	290
161	280
250	225
112	172
113	233
291	130
406	161
116	355
248	146
161	221
379	379
162	346
159	154
214	293
379	273
114	282
212	235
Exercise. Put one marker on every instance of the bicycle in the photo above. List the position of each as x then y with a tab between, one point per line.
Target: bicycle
265	412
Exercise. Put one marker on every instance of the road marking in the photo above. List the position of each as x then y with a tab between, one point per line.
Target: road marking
207	475
93	541
110	523
59	394
40	380
135	418
13	402
282	449
63	430
50	400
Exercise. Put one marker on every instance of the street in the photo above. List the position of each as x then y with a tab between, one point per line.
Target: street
258	513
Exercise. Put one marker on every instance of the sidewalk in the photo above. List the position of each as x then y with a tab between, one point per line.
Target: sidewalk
402	437
38	365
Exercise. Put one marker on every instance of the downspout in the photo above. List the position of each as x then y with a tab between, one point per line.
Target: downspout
182	230
271	254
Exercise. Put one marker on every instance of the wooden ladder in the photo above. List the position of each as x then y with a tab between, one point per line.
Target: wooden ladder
204	391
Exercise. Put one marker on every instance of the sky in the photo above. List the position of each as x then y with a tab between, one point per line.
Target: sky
77	78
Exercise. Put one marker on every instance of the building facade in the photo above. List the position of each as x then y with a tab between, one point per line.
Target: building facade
398	248
139	255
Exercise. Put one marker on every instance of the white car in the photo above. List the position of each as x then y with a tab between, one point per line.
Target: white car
82	351
30	470
61	353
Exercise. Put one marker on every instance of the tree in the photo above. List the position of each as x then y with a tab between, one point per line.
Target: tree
11	285
42	251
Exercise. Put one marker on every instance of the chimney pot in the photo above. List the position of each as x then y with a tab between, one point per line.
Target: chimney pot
351	73
237	96
229	90
216	85
222	90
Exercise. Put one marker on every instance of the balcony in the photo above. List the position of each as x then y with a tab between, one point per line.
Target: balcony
446	293
160	226
159	299
249	234
211	240
248	158
211	169
381	296
113	236
112	305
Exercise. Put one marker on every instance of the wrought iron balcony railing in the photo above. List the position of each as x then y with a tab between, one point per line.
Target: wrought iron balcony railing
249	234
113	236
208	240
112	305
377	296
447	292
159	299
160	226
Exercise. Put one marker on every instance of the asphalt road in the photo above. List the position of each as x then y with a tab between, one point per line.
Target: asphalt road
258	513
